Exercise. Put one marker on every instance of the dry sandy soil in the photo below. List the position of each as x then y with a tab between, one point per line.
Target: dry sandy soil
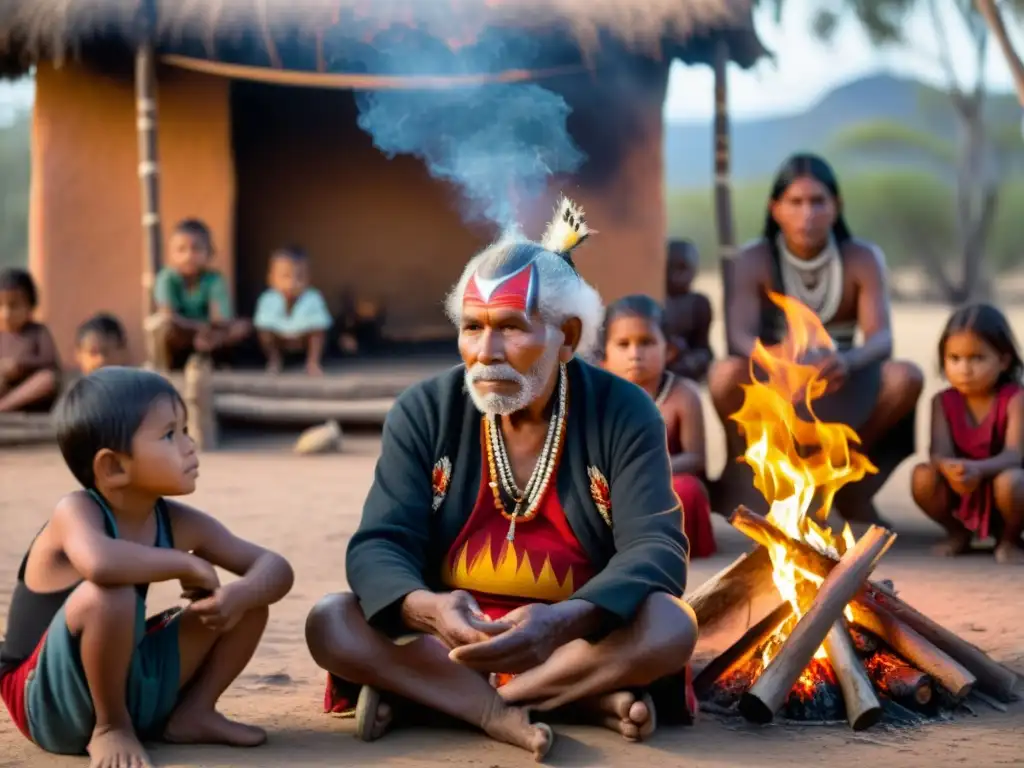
306	508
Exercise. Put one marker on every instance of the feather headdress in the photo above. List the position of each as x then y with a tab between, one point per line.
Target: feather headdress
566	231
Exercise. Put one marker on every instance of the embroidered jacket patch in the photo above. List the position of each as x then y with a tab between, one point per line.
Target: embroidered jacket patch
440	479
601	494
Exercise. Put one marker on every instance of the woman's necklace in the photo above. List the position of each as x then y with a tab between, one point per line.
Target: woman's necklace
502	478
666	387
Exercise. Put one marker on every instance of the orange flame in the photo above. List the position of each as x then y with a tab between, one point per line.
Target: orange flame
798	460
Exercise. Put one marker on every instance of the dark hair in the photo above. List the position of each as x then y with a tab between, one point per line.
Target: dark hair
197	229
105	410
804	166
293	252
105	325
636	305
990	325
15	279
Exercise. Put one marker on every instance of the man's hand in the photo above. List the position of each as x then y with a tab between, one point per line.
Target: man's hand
535	633
222	610
201	581
963	476
834	369
458	620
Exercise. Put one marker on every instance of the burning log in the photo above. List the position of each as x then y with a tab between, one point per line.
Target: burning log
740	652
914	648
768	694
749	577
900	681
863	709
992	678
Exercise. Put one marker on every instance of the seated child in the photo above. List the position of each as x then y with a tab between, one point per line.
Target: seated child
291	316
634	348
687	314
193	298
29	365
82	669
100	341
973	484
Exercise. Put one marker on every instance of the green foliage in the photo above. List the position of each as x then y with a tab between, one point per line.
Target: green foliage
889	135
906	212
15	172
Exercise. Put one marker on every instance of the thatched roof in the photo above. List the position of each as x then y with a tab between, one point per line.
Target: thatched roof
34	30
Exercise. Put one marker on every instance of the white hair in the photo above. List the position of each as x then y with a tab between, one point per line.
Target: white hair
562	292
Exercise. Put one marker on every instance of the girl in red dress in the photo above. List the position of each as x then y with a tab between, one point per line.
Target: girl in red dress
973	484
635	348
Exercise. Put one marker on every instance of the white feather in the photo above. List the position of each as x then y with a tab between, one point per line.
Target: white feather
567	229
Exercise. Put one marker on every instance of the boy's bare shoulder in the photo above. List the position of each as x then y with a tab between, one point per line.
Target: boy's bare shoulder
77	506
685	394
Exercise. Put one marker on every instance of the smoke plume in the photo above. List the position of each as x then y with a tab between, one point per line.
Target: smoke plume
494	142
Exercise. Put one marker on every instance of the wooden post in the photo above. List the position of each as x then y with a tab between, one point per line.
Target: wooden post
149	169
723	188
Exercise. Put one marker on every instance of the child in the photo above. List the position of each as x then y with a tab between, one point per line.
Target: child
81	668
974	482
687	314
193	298
100	341
29	366
635	349
290	315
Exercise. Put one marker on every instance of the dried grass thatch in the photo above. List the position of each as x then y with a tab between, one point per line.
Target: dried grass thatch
31	30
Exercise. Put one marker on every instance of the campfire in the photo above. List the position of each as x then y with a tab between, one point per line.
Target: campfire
837	646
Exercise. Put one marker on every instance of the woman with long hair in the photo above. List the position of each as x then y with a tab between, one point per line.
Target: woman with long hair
808	253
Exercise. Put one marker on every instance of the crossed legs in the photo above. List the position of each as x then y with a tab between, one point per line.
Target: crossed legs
594	676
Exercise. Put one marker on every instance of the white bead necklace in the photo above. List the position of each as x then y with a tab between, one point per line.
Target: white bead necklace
666	387
544	468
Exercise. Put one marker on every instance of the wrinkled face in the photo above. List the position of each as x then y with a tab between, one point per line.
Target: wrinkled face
806	213
15	310
164	461
188	254
510	357
635	349
289	275
682	268
971	364
96	350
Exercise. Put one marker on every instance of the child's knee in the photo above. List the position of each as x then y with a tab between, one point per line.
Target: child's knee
92	604
925	482
1008	488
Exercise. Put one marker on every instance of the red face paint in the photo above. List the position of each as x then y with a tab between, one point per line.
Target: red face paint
515	291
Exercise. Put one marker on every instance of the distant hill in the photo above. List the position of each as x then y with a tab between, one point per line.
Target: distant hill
759	146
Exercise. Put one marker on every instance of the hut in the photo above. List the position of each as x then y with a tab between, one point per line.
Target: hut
245	113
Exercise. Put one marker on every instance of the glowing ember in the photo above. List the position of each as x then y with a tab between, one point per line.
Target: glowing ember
798	460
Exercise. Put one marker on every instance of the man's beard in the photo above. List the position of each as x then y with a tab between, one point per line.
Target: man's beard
531	385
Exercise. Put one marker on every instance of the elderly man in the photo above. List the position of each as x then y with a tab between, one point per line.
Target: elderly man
808	253
521	549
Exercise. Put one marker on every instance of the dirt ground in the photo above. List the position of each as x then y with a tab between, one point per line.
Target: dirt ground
306	508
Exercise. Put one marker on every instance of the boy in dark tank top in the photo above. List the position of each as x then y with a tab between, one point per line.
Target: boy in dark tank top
81	668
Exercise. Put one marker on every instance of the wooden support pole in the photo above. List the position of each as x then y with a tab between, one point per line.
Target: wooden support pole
724	223
863	709
992	678
149	169
769	693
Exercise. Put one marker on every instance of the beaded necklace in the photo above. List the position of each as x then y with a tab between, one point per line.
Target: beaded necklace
666	387
500	468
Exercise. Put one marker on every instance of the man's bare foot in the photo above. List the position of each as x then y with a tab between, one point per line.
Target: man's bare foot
195	727
274	365
314	369
624	713
116	748
512	725
1009	553
957	544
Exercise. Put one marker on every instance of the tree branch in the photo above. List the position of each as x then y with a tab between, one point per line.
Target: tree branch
994	19
945	58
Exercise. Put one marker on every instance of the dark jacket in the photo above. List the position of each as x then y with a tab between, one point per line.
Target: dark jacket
613	427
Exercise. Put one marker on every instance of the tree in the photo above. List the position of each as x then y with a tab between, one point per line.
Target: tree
976	155
991	12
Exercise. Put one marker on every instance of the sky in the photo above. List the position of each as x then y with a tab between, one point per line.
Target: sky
804	69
